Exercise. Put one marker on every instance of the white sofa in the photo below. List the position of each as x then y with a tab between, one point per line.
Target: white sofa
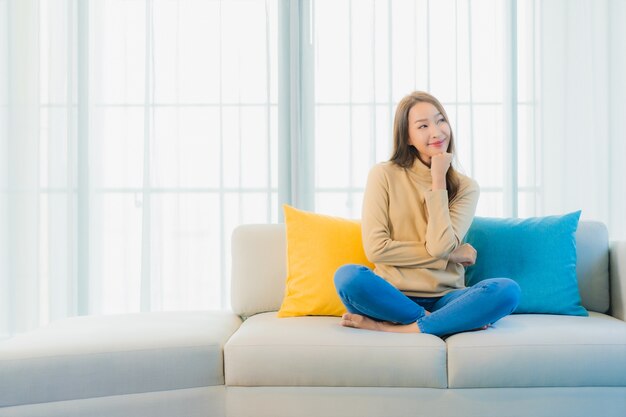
216	364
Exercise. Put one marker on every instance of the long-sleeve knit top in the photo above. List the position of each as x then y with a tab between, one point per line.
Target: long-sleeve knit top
409	230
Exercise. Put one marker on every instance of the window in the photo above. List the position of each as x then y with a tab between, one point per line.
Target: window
369	54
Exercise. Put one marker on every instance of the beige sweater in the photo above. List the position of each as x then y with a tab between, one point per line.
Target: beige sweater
409	230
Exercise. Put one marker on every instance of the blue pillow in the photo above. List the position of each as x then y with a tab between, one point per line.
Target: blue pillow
539	253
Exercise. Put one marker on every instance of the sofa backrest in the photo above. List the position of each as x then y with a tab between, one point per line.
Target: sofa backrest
259	267
592	265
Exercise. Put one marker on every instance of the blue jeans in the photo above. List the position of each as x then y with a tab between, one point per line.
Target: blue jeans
365	293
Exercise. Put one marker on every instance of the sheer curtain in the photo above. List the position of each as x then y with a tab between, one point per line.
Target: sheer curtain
582	123
136	134
370	54
534	90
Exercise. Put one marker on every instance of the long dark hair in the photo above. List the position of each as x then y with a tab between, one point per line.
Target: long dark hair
404	154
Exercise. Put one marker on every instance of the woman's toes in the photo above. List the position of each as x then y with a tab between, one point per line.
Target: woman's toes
348	320
352	320
360	322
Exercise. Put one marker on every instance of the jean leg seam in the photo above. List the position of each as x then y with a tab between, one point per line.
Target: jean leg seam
418	322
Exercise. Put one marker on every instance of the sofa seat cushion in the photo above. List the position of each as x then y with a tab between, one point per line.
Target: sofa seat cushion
96	356
317	351
541	351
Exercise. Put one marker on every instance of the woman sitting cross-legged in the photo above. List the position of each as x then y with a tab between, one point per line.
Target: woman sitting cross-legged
416	211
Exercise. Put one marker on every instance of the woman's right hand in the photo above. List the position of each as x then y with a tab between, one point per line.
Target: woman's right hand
464	255
439	165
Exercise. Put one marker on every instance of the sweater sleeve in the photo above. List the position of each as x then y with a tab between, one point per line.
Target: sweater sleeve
377	242
448	224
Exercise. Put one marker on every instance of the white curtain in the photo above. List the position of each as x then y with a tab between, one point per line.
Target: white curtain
370	54
534	89
581	130
136	134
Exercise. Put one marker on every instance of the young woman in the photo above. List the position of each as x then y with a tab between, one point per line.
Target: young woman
416	211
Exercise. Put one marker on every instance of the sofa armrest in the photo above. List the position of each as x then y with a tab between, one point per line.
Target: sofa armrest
618	279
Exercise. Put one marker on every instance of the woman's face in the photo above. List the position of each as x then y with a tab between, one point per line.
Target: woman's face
429	132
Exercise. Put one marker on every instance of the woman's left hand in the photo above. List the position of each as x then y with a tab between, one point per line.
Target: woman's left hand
464	255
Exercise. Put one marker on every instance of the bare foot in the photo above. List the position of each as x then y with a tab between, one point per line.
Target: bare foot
358	321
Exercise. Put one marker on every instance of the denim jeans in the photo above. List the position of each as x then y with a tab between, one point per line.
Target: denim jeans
365	293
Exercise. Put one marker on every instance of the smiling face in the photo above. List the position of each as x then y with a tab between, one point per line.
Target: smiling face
429	131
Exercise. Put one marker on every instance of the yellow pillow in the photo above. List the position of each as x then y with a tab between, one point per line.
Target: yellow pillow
316	246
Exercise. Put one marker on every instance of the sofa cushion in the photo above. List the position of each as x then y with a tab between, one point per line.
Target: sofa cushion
539	253
99	356
317	351
540	351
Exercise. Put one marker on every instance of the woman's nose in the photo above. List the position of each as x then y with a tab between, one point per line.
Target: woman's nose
435	131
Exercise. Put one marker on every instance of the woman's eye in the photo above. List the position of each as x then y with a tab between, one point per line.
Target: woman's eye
421	126
441	120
